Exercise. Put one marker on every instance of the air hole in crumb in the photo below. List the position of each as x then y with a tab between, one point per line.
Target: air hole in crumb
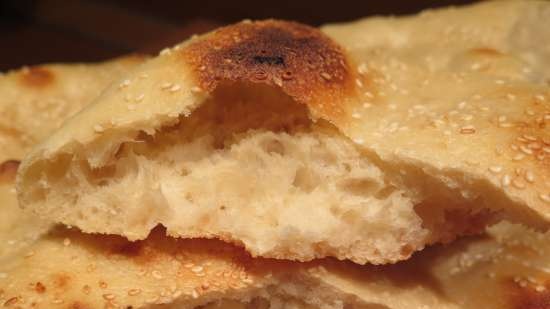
273	146
305	180
359	186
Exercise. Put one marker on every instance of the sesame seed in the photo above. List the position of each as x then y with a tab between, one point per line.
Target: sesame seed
29	254
356	115
195	294
546	149
3	275
108	296
467	117
359	141
518	183
197	269
539	97
165	51
196	89
495	169
510	97
468	130
57	301
362	68
98	128
140	97
156	274
545	197
530	137
499	82
505	180
66	242
518	157
529	176
369	95
540	288
124	83
502	118
505	125
278	81
530	112
102	284
461	105
326	76
367	105
166	85
359	83
525	150
175	88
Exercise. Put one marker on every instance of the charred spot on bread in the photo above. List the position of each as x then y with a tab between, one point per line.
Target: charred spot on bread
36	77
301	60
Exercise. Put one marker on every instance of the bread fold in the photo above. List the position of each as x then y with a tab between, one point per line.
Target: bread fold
364	141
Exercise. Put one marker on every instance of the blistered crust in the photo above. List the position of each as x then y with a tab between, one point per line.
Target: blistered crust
299	59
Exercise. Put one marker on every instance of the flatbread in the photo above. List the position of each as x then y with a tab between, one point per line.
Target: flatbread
507	269
36	100
363	141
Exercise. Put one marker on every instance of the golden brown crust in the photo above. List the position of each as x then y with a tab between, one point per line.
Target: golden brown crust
8	170
299	59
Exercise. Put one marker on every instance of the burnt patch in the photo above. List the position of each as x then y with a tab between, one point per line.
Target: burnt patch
302	61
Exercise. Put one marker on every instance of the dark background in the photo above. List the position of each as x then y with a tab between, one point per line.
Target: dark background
41	31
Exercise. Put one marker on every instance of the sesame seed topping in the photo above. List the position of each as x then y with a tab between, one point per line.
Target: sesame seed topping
540	97
140	97
495	169
505	181
510	97
518	157
525	149
197	269
468	130
103	284
125	83
545	197
175	88
98	128
499	82
518	183
502	118
278	81
165	51
196	89
359	83
326	76
156	274
529	176
108	296
29	254
66	242
195	294
461	105
57	301
3	275
362	68
359	141
356	115
166	85
367	105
